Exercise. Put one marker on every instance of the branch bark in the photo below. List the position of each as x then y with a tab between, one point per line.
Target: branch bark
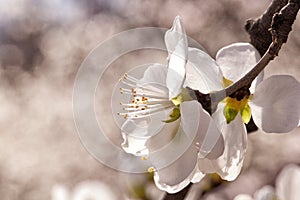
258	29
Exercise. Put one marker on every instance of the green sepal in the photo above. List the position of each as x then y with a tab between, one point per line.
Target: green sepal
229	113
173	116
246	114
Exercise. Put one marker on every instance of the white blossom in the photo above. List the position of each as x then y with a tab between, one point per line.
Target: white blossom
273	105
286	187
160	93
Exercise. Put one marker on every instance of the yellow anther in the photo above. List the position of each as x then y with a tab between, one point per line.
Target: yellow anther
144	158
144	98
151	169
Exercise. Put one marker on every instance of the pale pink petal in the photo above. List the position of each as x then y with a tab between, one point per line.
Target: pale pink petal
202	72
275	104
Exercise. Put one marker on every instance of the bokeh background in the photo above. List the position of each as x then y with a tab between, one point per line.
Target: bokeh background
42	44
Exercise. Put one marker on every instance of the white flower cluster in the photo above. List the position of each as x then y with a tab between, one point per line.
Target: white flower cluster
286	187
218	141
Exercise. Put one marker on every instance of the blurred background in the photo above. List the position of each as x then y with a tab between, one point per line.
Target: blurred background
42	44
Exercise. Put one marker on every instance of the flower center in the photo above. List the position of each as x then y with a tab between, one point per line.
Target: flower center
145	98
236	103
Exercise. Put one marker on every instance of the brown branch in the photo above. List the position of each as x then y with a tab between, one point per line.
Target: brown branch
258	29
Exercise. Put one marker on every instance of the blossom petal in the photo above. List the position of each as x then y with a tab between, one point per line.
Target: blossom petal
194	120
164	137
194	124
137	132
229	165
213	144
256	82
208	166
178	174
235	136
155	73
93	190
154	81
236	60
202	130
198	175
287	183
243	197
202	72
266	192
176	43
135	137
275	104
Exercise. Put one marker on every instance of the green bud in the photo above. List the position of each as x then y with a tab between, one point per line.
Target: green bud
246	114
229	113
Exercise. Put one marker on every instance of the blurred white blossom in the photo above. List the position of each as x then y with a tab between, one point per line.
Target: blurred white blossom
287	186
92	190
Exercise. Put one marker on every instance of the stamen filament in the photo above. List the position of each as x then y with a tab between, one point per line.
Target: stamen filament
133	92
134	85
144	113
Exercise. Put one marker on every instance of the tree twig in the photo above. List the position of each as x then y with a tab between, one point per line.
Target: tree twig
258	29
